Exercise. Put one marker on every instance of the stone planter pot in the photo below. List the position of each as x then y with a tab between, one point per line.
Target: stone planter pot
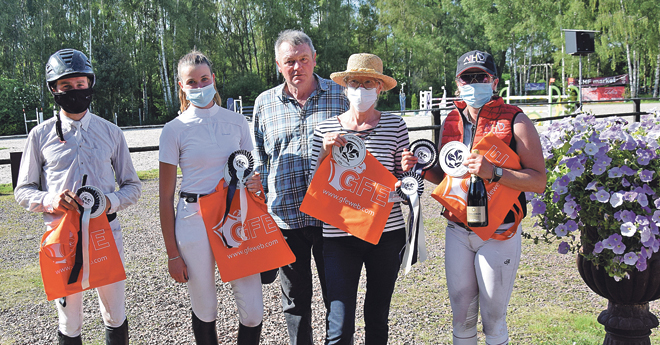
627	319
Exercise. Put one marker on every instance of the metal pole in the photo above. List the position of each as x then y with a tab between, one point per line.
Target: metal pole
637	102
580	86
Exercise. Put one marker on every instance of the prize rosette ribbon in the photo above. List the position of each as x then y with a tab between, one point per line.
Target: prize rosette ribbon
238	169
412	187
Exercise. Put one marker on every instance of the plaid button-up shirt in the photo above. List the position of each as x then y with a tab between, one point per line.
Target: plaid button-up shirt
283	132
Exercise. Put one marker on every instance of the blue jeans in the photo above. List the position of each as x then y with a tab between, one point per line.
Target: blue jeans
344	257
296	282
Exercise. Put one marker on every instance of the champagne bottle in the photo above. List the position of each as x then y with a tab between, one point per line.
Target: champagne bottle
477	202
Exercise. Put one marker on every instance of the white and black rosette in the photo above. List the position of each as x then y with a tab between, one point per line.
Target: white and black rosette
352	154
451	158
93	205
411	190
239	167
411	184
426	153
93	199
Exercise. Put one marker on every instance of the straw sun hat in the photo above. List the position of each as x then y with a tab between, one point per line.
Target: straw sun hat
364	65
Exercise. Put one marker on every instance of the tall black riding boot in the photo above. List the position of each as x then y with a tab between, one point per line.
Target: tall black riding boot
117	336
205	333
249	335
64	340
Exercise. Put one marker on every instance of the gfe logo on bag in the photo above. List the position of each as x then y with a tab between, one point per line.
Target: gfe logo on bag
235	232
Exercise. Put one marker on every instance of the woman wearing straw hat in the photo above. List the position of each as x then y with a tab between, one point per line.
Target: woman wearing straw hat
385	136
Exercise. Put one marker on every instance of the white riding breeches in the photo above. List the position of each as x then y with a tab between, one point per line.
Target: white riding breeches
195	249
480	275
111	299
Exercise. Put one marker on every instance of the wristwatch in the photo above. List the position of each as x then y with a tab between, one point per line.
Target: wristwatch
497	174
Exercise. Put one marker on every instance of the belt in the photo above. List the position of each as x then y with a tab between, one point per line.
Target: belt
191	197
463	226
111	216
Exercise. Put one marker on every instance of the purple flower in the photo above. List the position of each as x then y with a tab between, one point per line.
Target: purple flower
563	248
645	234
628	216
538	207
646	175
598	247
647	190
626	170
563	181
561	230
577	171
571	209
641	264
555	197
614	172
619	248
629	196
591	149
576	145
655	246
649	242
630	258
571	226
603	158
628	229
616	199
645	253
602	196
643	157
642	199
656	202
598	169
656	217
612	241
625	182
591	186
572	163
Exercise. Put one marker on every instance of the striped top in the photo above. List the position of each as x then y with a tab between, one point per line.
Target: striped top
386	143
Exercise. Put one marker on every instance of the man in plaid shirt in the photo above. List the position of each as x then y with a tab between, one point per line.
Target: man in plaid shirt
284	121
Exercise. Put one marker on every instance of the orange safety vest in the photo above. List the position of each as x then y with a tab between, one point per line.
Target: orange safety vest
497	118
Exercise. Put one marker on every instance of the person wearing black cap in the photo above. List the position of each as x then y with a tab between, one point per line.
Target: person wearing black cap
480	273
57	154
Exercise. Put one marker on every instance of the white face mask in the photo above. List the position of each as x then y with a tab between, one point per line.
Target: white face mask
200	97
361	98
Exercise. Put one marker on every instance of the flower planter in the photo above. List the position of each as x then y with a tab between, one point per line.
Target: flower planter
627	319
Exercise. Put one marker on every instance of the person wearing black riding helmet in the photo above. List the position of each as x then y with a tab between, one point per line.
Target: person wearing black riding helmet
57	154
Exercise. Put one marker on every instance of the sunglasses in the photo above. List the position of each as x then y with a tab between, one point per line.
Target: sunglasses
367	84
472	78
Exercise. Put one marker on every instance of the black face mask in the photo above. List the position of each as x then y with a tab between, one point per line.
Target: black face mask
74	101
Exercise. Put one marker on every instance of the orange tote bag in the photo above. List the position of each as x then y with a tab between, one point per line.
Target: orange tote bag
355	199
452	191
57	253
262	246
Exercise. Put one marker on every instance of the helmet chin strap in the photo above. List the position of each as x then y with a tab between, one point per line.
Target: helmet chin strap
58	128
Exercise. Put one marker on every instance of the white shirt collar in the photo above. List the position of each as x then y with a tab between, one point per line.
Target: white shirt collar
84	121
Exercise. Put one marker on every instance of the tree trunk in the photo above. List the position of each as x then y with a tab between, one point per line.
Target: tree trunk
657	74
164	75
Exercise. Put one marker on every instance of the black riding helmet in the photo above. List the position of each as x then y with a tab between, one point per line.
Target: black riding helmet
68	63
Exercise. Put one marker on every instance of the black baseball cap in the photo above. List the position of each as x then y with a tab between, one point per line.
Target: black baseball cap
476	59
